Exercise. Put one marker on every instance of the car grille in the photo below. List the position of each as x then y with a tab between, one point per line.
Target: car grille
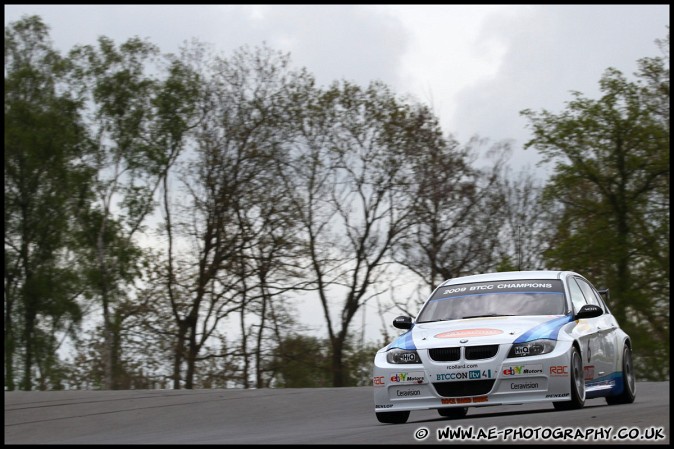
464	388
481	352
445	354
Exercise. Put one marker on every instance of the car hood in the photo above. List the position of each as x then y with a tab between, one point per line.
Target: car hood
478	331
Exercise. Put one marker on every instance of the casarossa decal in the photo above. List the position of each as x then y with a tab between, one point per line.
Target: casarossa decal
549	329
469	333
403	342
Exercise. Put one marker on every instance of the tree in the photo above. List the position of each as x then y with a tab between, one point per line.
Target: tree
46	184
458	213
524	231
127	121
302	361
611	179
232	211
348	181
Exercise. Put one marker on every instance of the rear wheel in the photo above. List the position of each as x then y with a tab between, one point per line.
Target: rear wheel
577	384
629	384
393	417
454	412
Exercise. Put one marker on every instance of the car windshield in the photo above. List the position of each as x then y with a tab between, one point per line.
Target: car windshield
496	298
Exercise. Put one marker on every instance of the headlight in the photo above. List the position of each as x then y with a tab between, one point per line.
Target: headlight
402	356
534	347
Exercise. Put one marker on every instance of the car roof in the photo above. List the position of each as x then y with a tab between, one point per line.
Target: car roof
510	276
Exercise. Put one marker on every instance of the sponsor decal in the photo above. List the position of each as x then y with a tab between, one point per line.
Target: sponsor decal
466	375
588	372
454	401
524	386
602	383
530	286
526	285
416	377
613	380
521	370
521	351
378	381
481	287
406	393
559	370
469	333
383	406
462	366
557	395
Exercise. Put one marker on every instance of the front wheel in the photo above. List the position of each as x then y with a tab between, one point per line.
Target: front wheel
454	413
393	417
629	384
577	384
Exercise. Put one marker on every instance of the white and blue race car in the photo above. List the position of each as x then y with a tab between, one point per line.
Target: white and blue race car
505	338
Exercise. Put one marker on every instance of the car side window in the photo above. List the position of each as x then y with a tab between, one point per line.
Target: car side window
577	297
588	291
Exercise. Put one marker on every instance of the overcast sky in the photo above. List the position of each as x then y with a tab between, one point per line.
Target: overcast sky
477	66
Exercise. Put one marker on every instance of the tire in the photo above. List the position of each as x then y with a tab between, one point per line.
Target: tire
454	412
577	384
629	383
392	417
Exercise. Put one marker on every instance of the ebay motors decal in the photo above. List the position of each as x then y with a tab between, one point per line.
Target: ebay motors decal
469	333
413	377
521	370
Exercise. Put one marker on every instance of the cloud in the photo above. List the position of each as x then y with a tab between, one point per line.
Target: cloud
334	42
551	51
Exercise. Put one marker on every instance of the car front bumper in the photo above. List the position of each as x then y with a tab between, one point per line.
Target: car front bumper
471	383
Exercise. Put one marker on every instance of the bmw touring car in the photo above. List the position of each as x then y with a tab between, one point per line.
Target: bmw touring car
505	338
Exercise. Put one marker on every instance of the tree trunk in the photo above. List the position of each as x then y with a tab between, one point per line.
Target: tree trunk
337	365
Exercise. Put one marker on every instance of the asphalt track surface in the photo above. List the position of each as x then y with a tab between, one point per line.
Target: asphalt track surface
310	416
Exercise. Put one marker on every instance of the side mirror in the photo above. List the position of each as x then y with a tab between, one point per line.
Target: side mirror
604	294
589	311
403	322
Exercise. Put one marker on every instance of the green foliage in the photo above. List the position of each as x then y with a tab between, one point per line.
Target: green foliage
45	186
611	179
302	361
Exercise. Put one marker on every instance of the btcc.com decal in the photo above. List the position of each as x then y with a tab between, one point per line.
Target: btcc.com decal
471	433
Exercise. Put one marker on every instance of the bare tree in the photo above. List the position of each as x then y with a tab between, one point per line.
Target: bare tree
524	235
349	177
227	210
458	214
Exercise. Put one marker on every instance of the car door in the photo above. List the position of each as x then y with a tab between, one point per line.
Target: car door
584	331
603	357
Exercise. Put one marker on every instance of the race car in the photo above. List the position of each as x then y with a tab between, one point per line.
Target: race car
505	338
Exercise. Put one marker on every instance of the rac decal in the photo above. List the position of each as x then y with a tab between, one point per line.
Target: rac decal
559	370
